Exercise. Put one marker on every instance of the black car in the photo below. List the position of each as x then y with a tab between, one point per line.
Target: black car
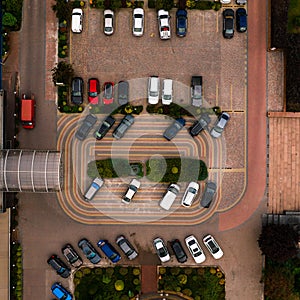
123	92
71	256
178	251
77	91
241	20
228	23
104	128
85	127
126	122
199	125
59	266
208	194
172	130
89	251
181	22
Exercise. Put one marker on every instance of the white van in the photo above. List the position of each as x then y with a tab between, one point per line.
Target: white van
153	89
167	92
93	189
169	197
77	15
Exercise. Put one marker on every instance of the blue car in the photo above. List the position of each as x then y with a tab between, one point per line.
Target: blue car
181	22
109	250
60	292
241	20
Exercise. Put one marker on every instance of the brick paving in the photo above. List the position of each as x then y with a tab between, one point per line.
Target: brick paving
149	279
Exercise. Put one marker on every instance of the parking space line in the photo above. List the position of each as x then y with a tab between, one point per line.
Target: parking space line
231	96
217	22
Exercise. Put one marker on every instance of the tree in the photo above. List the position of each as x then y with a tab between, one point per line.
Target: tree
278	242
62	73
63	10
9	20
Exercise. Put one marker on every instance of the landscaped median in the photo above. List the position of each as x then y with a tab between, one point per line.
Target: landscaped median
178	169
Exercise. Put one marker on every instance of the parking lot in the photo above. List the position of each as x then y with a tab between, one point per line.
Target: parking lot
204	51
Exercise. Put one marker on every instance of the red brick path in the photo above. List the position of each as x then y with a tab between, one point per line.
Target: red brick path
149	281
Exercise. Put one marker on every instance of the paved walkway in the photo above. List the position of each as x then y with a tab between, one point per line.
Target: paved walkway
4	255
149	279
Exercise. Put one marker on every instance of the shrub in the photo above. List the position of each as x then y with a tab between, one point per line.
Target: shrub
136	281
136	271
119	285
9	20
123	271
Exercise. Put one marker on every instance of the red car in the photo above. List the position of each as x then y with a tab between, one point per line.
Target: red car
93	90
108	95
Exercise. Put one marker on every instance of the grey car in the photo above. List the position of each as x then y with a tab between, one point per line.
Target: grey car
126	122
173	129
220	125
126	247
123	92
71	256
89	251
86	126
196	91
77	91
208	194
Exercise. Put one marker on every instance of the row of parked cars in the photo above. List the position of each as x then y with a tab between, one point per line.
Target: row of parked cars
228	21
190	194
138	14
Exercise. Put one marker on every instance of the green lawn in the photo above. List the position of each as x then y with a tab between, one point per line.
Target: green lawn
294	16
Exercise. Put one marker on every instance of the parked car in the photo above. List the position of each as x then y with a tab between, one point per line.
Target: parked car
93	189
213	247
174	128
59	266
108	94
86	126
164	27
153	89
161	249
126	122
93	90
77	16
241	20
131	191
167	92
109	251
196	91
77	90
89	251
228	23
108	16
181	22
123	92
108	123
190	194
178	251
138	22
241	2
169	197
225	1
208	194
220	125
60	292
126	247
71	256
195	249
199	125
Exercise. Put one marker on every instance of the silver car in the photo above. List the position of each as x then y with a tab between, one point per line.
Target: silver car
126	247
220	125
138	22
161	249
169	197
190	194
131	191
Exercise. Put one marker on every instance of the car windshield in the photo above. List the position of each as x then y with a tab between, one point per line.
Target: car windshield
167	97
192	190
71	257
93	94
161	252
108	91
173	190
153	94
133	187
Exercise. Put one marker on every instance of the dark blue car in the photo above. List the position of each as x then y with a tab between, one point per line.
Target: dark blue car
109	250
241	20
181	22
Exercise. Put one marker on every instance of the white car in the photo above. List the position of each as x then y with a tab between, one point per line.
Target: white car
77	16
161	250
153	89
164	24
95	186
169	197
138	22
190	194
131	191
108	21
213	247
167	92
220	125
225	1
195	249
